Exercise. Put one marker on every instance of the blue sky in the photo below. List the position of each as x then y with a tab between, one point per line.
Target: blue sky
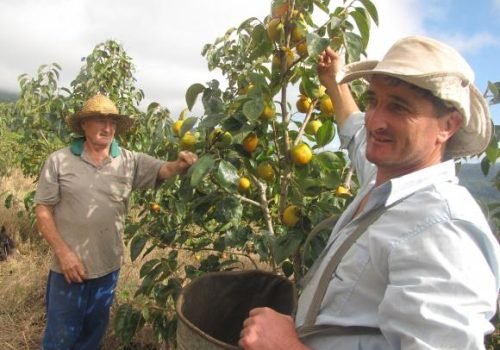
472	27
165	43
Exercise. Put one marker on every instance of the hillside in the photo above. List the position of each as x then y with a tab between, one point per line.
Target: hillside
481	187
7	96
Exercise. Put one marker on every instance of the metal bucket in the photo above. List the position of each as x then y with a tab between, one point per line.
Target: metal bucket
212	308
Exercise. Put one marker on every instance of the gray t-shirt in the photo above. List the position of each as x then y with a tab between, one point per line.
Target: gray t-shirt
90	203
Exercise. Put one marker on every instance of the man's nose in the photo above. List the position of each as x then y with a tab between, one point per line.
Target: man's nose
375	119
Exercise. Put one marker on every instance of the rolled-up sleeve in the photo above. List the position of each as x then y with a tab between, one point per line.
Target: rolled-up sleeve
353	139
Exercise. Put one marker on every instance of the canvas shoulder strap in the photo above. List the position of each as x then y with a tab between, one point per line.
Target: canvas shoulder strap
309	328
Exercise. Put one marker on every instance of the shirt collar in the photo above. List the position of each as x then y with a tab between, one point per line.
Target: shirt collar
76	147
401	187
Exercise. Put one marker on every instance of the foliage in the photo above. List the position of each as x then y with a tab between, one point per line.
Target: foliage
205	211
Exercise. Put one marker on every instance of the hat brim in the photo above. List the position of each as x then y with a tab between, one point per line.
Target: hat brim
474	135
123	122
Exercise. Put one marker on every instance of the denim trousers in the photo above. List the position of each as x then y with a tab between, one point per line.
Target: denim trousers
78	313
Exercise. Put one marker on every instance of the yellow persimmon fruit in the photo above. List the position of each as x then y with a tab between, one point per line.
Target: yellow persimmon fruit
342	190
250	142
176	127
155	207
301	154
220	138
301	48
279	8
288	57
244	184
275	29
265	171
298	32
326	105
188	141
291	216
303	104
268	112
313	126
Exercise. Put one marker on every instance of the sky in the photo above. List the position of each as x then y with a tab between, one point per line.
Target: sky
165	38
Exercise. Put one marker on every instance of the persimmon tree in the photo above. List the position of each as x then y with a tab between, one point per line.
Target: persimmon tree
267	172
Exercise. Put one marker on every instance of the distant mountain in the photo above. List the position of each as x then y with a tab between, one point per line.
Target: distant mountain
480	186
8	96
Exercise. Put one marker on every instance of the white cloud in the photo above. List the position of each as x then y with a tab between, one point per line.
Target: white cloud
165	38
472	43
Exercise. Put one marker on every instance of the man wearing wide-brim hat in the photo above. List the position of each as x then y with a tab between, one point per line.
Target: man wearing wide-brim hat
81	205
412	262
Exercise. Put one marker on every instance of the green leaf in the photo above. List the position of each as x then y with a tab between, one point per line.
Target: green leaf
354	46
316	44
492	152
212	120
363	24
137	245
188	125
152	106
200	169
237	237
253	108
285	246
330	160
485	166
325	133
227	175
372	10
148	266
127	322
229	212
192	93
287	268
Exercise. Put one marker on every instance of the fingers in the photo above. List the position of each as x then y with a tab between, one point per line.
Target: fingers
188	157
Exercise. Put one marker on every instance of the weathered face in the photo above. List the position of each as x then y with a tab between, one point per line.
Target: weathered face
404	132
99	130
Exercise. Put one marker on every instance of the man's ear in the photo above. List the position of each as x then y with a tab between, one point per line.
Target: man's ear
449	125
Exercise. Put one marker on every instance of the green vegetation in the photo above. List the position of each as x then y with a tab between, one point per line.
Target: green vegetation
205	214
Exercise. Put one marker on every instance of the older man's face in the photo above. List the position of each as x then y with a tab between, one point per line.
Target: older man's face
404	133
99	130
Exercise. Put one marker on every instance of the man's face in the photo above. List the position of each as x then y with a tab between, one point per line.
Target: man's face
404	133
99	130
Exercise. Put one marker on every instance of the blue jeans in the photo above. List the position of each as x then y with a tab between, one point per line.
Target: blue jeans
78	313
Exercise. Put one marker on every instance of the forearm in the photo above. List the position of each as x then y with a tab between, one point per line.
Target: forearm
343	101
168	170
47	228
179	166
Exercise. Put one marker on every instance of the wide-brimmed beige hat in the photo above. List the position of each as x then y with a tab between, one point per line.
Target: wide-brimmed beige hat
434	66
99	106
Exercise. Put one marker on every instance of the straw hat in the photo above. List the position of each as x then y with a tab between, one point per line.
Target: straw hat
99	106
434	66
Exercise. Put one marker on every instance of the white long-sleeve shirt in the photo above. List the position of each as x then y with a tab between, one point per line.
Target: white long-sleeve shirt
426	272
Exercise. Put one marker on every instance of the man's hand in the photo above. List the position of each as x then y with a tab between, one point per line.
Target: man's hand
71	266
266	329
184	160
328	66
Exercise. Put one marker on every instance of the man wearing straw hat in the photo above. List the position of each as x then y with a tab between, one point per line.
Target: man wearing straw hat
420	269
81	205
